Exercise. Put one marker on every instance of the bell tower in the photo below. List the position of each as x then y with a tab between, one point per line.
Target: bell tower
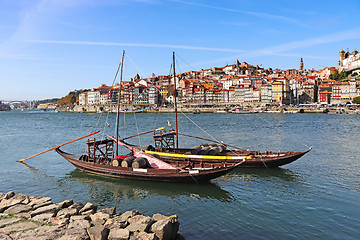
301	64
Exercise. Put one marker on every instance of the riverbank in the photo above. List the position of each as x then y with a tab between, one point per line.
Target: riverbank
29	217
244	110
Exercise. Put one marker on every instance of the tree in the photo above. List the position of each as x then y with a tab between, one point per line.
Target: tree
356	100
70	99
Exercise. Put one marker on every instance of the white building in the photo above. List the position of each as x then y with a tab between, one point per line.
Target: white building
93	97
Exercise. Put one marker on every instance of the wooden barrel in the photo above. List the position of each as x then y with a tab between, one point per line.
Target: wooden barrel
214	150
115	163
195	150
127	162
140	162
222	148
204	150
212	145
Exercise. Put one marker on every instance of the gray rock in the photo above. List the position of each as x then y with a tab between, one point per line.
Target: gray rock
74	234
119	234
99	218
18	208
77	205
22	226
67	212
157	217
43	217
128	214
66	203
79	217
5	237
138	227
87	207
143	236
79	224
53	208
139	223
115	222
40	202
9	221
58	221
16	199
88	212
42	232
110	211
164	229
140	219
9	195
25	215
98	232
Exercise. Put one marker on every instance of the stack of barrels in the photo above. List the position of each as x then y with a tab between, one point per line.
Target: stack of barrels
131	161
208	149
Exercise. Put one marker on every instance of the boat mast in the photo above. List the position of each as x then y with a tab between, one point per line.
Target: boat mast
175	104
118	104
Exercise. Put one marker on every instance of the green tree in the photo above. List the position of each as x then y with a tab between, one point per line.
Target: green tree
356	100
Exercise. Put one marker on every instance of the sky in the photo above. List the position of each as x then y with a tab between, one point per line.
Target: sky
51	47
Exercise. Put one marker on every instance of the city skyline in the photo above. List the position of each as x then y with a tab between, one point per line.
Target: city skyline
49	48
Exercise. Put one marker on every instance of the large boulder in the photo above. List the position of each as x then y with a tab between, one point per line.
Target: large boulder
111	211
9	195
128	214
115	222
67	212
40	202
99	218
119	234
88	207
18	208
16	199
98	232
139	223
85	224
53	208
164	229
74	234
143	236
66	203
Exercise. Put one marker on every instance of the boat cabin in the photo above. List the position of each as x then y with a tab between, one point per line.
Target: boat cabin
100	151
164	140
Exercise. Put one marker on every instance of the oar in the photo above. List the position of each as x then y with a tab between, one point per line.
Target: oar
53	148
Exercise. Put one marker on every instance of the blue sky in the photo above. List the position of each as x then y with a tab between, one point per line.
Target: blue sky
51	47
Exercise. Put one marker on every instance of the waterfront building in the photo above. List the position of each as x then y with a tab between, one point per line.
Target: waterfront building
266	94
94	97
83	98
153	95
277	91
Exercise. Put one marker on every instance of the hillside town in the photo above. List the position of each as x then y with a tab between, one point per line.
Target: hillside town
237	84
240	84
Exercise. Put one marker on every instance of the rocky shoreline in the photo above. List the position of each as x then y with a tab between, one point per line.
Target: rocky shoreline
28	217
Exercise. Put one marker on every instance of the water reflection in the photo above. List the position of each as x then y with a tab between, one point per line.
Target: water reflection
138	190
267	174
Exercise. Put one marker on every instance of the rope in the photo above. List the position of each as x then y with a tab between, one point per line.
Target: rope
235	153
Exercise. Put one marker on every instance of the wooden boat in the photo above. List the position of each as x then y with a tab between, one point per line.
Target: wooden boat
157	171
166	151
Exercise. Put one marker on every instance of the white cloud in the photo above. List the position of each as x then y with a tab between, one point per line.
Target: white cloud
148	45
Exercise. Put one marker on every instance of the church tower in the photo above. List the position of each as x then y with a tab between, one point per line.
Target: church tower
341	57
301	65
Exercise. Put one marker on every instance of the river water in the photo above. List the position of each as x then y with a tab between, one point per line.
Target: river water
315	197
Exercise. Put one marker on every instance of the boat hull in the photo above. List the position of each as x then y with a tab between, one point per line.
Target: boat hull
149	174
260	161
